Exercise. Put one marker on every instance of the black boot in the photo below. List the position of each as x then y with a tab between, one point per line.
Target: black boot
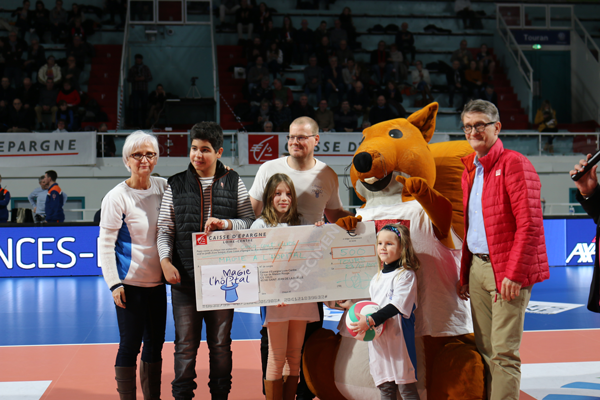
125	377
150	379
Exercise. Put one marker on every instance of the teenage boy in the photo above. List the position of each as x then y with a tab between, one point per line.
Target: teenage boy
205	197
55	199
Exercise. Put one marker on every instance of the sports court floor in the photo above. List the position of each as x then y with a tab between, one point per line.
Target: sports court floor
58	342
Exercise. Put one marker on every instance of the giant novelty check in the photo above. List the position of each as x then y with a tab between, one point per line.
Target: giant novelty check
298	264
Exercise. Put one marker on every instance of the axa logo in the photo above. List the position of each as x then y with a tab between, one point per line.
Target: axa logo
201	239
585	252
262	148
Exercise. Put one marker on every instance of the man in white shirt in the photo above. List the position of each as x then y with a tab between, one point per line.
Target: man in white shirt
37	199
317	191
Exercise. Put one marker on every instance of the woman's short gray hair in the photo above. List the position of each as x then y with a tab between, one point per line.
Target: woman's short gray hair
134	141
481	106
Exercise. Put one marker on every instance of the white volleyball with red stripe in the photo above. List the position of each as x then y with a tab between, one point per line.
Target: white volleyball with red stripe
365	308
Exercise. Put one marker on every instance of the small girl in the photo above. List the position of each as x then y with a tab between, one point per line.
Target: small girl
393	358
285	324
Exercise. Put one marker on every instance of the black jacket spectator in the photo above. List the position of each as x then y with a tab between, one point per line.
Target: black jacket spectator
313	75
337	34
304	39
36	57
281	117
378	56
345	120
139	70
270	34
8	93
381	112
29	95
41	19
260	93
405	41
323	51
20	119
301	108
356	98
48	97
13	50
320	33
244	16
71	73
80	50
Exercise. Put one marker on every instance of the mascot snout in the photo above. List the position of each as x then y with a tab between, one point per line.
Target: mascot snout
363	162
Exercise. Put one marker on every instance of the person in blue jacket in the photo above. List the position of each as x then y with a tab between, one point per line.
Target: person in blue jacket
4	201
54	200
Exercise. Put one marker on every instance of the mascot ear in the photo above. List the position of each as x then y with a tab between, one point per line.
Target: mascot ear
424	120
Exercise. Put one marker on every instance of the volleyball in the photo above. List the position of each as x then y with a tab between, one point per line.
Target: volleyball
365	308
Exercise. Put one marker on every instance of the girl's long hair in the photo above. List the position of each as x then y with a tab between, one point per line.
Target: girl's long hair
291	217
408	258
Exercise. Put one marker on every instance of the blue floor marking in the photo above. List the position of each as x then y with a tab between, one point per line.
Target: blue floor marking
582	385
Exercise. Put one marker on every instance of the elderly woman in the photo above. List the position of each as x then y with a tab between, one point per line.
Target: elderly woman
131	267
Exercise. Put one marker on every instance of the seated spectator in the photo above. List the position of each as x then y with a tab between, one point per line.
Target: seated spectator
405	41
281	117
71	73
7	93
350	74
394	99
268	127
69	95
49	70
457	84
364	125
24	18
347	25
270	35
66	114
304	42
263	16
28	93
282	93
313	76
286	40
380	64
345	120
463	55
324	117
359	99
274	59
12	52
337	34
156	101
262	114
58	21
421	82
343	53
490	95
36	58
257	73
334	80
260	93
19	117
77	30
488	62
60	127
47	103
320	33
75	13
41	19
301	108
474	80
105	144
228	7
80	50
545	118
463	10
399	67
323	51
381	112
255	49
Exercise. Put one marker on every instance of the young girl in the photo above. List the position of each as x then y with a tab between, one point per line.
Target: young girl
392	355
285	324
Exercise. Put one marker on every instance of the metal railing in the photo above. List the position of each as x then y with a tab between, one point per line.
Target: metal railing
536	16
590	44
515	51
123	70
163	12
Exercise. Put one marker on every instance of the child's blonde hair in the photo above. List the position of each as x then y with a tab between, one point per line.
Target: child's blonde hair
408	258
269	214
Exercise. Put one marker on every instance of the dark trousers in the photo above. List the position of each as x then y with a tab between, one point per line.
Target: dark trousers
139	103
143	319
303	391
188	330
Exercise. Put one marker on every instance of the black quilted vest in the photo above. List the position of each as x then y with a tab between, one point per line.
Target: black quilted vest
188	202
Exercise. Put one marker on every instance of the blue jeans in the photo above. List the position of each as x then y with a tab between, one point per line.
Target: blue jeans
143	319
188	331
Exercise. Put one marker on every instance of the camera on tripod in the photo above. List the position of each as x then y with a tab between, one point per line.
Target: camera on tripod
194	79
193	92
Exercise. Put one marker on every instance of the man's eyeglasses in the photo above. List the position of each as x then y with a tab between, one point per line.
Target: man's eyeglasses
140	156
300	139
478	127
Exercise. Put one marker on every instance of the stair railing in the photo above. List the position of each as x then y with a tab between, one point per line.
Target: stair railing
586	73
123	70
523	72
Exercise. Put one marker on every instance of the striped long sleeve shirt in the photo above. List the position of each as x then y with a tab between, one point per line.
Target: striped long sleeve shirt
166	218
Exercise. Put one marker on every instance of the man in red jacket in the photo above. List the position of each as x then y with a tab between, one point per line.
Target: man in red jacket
504	252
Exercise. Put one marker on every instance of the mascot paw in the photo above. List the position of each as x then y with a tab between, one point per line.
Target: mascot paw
413	185
348	223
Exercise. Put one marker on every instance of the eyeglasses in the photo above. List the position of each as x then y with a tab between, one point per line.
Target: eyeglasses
478	127
140	156
300	139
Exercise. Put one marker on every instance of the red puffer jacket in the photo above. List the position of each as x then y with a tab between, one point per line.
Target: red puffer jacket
512	216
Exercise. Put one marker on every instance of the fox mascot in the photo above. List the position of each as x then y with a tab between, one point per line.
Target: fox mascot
401	178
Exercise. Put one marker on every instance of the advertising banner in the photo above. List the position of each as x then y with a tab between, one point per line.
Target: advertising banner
580	242
49	251
543	37
47	149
